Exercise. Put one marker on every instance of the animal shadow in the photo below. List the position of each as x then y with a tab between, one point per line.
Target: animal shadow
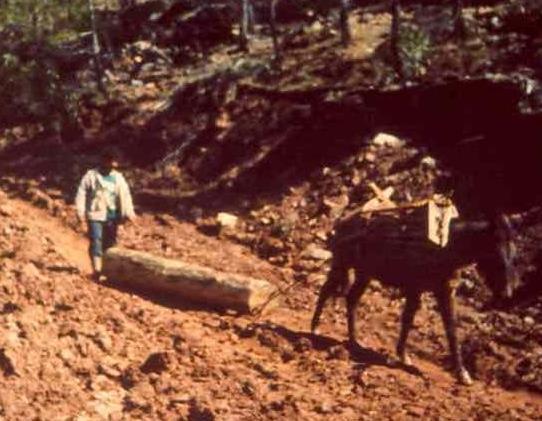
361	357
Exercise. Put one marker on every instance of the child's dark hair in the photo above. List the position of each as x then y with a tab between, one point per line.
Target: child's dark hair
109	155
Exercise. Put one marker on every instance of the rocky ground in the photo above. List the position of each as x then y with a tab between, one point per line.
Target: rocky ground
79	350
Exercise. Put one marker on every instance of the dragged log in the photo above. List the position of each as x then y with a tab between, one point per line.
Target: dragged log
189	282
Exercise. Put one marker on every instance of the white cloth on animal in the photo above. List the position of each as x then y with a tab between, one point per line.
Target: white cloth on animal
440	212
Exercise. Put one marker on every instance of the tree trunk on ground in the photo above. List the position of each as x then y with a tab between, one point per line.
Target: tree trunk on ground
346	35
188	282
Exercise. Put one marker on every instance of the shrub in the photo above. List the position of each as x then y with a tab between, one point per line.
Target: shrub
414	50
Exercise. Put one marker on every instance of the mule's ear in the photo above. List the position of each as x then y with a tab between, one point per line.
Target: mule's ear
480	225
506	234
470	225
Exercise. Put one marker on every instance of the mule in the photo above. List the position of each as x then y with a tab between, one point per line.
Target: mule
416	266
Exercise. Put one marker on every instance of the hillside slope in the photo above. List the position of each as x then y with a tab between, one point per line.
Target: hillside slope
72	349
288	148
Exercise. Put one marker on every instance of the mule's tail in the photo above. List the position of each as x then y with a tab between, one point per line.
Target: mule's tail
335	285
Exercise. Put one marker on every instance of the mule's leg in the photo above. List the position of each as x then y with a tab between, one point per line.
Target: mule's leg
355	293
411	306
337	277
446	301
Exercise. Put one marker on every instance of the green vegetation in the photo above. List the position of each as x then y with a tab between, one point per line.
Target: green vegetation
414	50
32	34
50	20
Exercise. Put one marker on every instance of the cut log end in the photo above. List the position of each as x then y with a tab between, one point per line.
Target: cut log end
189	282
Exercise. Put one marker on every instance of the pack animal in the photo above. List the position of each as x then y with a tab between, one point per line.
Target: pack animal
380	252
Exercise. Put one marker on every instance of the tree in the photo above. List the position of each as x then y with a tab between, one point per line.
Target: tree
124	4
459	23
395	13
244	25
274	31
346	35
32	38
96	47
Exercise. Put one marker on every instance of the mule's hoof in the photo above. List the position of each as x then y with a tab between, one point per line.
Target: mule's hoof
98	278
315	331
405	359
352	342
464	378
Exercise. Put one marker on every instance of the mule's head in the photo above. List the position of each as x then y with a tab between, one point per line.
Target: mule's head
496	258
